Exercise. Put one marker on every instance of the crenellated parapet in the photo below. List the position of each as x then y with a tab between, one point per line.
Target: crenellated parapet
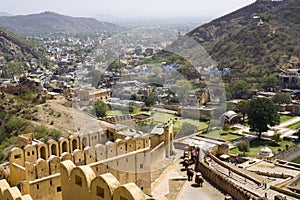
35	167
81	182
11	193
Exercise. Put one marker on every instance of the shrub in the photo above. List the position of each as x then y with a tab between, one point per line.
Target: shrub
276	137
244	146
287	139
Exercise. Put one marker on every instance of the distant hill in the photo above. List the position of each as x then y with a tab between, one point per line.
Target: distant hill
258	39
5	14
49	22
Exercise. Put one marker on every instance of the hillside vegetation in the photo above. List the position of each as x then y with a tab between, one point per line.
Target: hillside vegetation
49	22
257	40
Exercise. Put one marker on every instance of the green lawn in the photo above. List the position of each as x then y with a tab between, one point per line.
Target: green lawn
297	160
257	144
114	113
284	118
294	126
178	121
160	117
228	137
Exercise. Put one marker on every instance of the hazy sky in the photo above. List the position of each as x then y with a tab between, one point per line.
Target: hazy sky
126	8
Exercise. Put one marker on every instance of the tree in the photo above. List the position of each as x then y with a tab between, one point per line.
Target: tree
131	106
13	69
150	100
100	108
282	98
269	82
241	107
244	146
276	137
261	113
239	90
157	70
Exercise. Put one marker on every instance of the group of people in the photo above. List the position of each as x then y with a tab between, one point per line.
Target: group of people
189	170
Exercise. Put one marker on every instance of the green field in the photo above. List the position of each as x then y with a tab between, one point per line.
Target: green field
297	160
160	117
114	113
178	121
284	118
219	134
257	144
294	126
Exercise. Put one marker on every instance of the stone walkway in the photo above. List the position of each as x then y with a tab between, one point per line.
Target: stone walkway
188	191
251	186
207	192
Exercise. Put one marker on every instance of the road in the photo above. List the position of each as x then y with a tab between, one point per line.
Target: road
164	110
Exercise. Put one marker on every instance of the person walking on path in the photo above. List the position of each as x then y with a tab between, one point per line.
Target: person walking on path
190	173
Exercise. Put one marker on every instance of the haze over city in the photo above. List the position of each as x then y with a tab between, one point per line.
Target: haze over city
127	9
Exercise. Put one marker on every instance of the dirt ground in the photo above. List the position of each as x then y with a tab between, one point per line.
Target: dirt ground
59	114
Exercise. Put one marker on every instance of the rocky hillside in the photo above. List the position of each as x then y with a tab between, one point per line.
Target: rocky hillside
13	46
258	39
49	22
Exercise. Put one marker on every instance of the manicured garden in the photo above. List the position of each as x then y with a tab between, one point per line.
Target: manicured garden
223	135
284	118
294	126
297	160
257	144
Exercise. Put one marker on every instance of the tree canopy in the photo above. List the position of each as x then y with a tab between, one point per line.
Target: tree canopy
269	82
241	107
240	90
281	98
261	113
100	108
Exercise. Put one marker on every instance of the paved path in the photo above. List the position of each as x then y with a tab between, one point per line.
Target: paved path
207	192
188	191
281	128
289	122
164	110
251	186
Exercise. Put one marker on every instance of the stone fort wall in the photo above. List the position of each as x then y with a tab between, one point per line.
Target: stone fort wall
225	183
34	166
11	193
81	182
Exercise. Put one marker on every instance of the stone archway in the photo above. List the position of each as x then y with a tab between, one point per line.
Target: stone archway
43	153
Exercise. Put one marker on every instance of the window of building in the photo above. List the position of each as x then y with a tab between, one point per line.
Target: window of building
78	180
58	189
141	166
51	182
18	156
123	198
28	153
100	192
37	186
32	153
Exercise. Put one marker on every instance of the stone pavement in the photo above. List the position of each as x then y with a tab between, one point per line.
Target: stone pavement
188	191
207	192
